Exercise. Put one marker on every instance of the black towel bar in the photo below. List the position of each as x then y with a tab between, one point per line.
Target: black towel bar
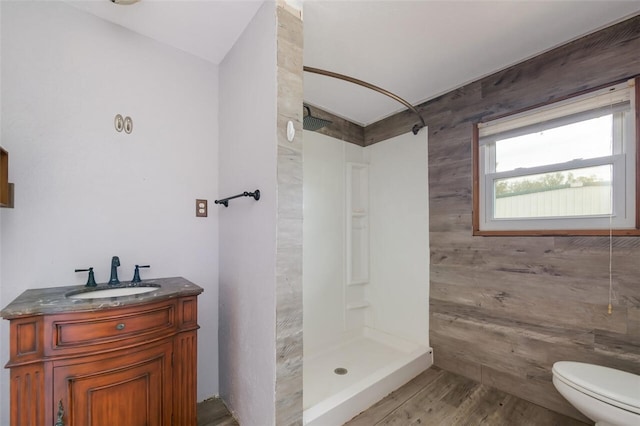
225	201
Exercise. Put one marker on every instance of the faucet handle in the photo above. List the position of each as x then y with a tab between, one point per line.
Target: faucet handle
91	280
136	273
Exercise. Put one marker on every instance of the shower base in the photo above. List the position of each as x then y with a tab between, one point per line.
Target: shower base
376	364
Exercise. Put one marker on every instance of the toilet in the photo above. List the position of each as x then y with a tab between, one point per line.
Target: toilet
607	396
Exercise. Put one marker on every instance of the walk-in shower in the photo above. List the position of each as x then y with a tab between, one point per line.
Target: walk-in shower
365	272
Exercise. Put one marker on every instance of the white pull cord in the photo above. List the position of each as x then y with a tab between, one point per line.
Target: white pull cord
610	309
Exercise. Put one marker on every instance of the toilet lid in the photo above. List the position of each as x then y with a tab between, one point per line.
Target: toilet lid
615	387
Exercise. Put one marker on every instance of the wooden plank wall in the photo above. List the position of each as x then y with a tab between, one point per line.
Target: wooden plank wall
504	309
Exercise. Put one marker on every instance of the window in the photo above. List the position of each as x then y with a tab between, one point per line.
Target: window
569	167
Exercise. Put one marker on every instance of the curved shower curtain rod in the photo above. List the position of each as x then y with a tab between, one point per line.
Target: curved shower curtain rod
415	129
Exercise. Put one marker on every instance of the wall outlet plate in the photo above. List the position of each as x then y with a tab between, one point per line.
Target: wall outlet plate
201	208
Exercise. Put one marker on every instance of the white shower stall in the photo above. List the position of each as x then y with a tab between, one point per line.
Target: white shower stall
365	272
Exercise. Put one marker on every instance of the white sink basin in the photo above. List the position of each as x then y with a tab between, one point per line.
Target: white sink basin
112	292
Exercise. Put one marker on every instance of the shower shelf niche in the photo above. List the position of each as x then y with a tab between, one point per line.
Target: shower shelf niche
357	246
358	223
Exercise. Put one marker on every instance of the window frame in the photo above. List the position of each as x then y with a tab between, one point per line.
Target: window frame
633	227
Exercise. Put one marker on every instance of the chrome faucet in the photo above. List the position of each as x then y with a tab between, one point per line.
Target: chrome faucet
115	262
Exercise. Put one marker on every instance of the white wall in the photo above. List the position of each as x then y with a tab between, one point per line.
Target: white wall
85	192
324	253
323	239
399	239
248	153
398	288
4	391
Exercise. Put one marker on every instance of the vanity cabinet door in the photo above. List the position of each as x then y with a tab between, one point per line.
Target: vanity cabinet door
129	388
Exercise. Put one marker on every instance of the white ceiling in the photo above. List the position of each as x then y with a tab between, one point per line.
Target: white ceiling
205	28
415	49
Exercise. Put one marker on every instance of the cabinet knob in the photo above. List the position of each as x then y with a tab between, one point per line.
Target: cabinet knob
60	422
120	326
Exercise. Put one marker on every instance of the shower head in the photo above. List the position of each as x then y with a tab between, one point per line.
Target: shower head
312	123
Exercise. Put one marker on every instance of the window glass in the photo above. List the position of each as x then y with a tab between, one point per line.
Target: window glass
584	139
576	192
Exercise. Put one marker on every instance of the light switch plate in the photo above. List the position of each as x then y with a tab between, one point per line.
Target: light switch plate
201	208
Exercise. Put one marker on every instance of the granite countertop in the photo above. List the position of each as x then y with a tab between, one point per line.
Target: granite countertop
53	300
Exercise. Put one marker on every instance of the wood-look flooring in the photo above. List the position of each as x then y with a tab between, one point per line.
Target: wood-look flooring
436	397
213	412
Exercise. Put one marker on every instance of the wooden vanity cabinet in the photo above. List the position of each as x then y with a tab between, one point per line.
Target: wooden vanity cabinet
133	366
